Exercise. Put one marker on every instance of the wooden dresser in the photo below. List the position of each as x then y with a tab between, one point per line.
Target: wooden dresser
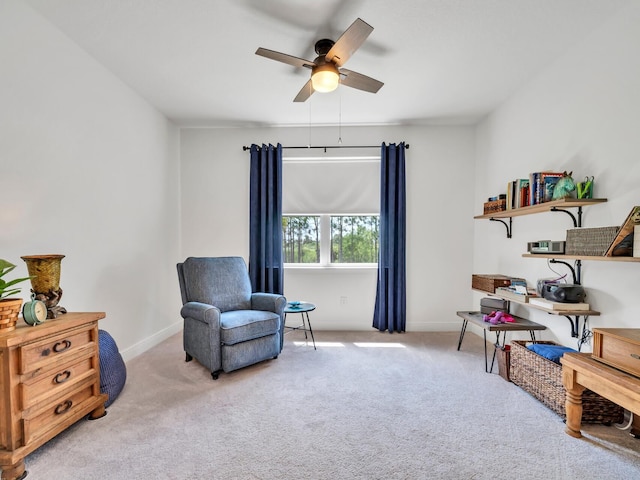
49	379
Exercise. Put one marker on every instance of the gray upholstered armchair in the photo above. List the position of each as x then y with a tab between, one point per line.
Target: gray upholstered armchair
226	326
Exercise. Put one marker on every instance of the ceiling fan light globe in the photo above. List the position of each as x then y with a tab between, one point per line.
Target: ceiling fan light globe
325	80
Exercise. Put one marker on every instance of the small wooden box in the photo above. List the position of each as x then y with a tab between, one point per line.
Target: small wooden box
495	206
618	347
489	282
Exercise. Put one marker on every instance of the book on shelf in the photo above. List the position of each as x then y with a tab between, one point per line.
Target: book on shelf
518	193
541	185
522	195
533	187
558	306
627	228
516	294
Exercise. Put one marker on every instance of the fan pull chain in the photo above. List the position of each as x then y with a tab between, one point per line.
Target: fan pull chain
310	91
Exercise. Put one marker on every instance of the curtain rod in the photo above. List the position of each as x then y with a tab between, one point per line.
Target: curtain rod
308	147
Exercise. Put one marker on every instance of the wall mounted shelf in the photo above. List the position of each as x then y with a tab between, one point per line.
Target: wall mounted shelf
556	256
575	322
576	275
552	206
558	206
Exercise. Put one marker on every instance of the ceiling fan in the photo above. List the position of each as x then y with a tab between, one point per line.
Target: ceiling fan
326	71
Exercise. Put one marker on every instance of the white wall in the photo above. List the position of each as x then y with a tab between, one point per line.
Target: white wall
92	171
88	170
582	113
440	171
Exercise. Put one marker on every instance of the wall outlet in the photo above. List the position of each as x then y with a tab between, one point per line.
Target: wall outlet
343	300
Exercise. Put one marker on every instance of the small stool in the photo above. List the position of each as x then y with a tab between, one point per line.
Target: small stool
303	308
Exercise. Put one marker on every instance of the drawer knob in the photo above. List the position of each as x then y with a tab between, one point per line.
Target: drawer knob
62	346
62	377
63	407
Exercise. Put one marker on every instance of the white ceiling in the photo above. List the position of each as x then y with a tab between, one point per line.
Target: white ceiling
442	61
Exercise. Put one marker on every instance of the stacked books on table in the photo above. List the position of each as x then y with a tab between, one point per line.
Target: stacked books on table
558	306
518	293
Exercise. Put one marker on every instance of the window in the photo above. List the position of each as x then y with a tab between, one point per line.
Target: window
301	239
330	239
354	239
330	208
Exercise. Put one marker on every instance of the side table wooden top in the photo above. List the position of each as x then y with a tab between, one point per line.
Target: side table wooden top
519	324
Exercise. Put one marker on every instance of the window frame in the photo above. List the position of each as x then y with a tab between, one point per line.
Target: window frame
325	243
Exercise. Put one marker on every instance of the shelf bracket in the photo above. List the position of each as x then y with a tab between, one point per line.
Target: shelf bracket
574	271
576	222
574	326
509	226
575	330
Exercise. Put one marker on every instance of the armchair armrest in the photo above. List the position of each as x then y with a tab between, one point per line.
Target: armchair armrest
270	302
202	312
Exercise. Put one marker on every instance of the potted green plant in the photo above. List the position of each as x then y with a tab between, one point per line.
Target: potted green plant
9	307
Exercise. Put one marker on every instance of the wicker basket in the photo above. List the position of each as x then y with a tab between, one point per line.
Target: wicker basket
590	241
9	310
44	271
489	282
542	378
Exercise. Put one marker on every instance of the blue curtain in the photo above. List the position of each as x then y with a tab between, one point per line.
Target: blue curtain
265	225
391	299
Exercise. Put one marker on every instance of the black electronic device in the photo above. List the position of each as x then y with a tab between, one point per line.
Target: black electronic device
563	293
546	246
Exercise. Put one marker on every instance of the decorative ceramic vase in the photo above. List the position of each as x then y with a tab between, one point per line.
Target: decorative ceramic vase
9	310
45	281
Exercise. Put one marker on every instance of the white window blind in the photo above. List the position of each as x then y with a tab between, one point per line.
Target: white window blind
330	185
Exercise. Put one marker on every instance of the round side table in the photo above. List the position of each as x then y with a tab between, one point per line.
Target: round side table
303	308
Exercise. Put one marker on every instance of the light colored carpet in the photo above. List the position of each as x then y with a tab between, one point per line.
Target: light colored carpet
365	405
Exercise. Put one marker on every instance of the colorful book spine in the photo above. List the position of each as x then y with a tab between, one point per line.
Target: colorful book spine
523	192
545	185
533	179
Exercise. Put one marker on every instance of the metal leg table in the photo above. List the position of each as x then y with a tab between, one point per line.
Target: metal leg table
303	308
520	324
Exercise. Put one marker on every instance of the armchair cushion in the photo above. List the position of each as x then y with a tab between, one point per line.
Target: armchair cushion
242	325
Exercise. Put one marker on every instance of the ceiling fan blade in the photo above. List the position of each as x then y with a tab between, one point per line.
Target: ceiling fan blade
305	92
284	58
349	42
361	82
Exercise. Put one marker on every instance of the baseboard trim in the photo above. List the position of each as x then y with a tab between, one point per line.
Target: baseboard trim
150	342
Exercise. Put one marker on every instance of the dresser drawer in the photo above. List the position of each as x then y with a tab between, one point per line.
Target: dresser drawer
48	351
618	347
52	382
64	410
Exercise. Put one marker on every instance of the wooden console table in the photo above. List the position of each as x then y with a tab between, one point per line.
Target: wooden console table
49	379
580	371
520	324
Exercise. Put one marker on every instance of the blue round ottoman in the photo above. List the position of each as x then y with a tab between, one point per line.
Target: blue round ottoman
113	372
